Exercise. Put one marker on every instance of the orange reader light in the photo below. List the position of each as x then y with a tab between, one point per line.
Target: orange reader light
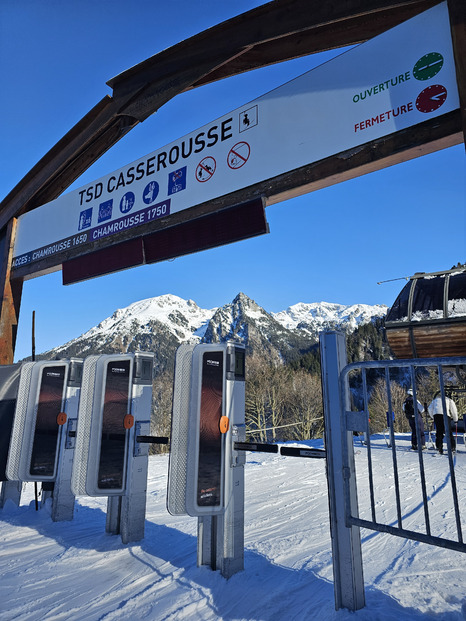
128	421
61	418
224	424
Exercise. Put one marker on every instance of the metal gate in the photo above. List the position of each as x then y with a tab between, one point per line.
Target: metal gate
363	398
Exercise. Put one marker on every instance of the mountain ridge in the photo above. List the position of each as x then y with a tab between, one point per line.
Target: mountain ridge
162	323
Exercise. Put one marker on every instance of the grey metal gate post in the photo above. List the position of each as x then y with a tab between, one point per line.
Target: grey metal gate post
346	541
10	490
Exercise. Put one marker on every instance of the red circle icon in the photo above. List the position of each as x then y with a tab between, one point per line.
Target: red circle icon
238	155
431	98
205	169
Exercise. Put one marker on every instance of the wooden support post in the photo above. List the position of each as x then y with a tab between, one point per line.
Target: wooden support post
10	292
457	11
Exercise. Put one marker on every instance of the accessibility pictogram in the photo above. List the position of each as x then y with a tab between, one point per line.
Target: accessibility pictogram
238	155
205	169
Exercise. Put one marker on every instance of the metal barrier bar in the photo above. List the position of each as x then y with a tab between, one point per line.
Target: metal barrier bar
446	424
424	362
296	451
449	544
417	414
152	440
256	448
368	437
288	451
393	447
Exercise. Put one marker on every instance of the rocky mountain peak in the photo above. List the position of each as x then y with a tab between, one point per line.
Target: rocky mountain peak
162	323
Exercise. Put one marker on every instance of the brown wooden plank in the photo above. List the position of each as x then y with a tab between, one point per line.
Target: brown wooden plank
272	24
399	341
457	11
224	227
431	340
10	297
317	37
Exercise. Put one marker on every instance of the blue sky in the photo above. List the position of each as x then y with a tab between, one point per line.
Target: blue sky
333	245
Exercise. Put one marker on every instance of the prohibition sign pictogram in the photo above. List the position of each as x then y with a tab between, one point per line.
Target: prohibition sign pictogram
238	155
205	169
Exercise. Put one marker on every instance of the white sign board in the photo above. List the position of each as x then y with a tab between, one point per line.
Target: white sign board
399	79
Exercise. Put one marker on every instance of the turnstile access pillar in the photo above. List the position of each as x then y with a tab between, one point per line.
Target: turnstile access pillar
114	410
41	447
206	474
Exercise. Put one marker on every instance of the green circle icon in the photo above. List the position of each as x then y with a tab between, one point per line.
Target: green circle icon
428	66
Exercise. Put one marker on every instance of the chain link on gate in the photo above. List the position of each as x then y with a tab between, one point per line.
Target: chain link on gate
358	383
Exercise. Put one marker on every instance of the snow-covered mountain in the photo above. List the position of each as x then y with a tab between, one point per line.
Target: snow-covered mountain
313	318
162	323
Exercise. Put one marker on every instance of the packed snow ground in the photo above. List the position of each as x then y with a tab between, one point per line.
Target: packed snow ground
75	571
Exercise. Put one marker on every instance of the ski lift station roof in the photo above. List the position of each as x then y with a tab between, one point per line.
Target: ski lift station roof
428	318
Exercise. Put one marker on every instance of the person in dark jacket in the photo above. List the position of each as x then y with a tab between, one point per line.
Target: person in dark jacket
411	415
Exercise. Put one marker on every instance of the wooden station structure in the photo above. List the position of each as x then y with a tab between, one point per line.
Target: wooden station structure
428	318
277	31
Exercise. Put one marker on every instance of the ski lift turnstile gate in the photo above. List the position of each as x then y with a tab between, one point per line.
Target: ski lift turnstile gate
340	423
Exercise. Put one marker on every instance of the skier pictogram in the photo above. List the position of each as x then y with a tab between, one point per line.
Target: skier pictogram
248	118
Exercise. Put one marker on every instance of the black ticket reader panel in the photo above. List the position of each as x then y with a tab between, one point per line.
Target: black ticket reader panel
206	404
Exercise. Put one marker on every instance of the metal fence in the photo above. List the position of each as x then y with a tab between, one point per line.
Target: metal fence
412	373
357	397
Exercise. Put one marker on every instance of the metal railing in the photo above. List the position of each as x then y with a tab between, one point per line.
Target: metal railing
357	383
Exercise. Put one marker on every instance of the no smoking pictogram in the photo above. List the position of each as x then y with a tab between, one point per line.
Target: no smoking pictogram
205	169
238	155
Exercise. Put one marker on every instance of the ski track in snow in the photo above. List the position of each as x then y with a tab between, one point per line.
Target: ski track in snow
75	571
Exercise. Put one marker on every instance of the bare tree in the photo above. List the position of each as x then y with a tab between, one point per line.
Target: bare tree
378	406
303	406
162	395
256	388
282	403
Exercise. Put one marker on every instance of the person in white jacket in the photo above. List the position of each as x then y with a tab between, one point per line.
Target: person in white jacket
435	410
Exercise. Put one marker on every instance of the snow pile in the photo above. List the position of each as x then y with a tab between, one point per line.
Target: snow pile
74	571
424	315
457	308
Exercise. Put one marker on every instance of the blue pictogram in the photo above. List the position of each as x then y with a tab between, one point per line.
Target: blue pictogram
105	211
177	180
85	219
150	193
127	202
